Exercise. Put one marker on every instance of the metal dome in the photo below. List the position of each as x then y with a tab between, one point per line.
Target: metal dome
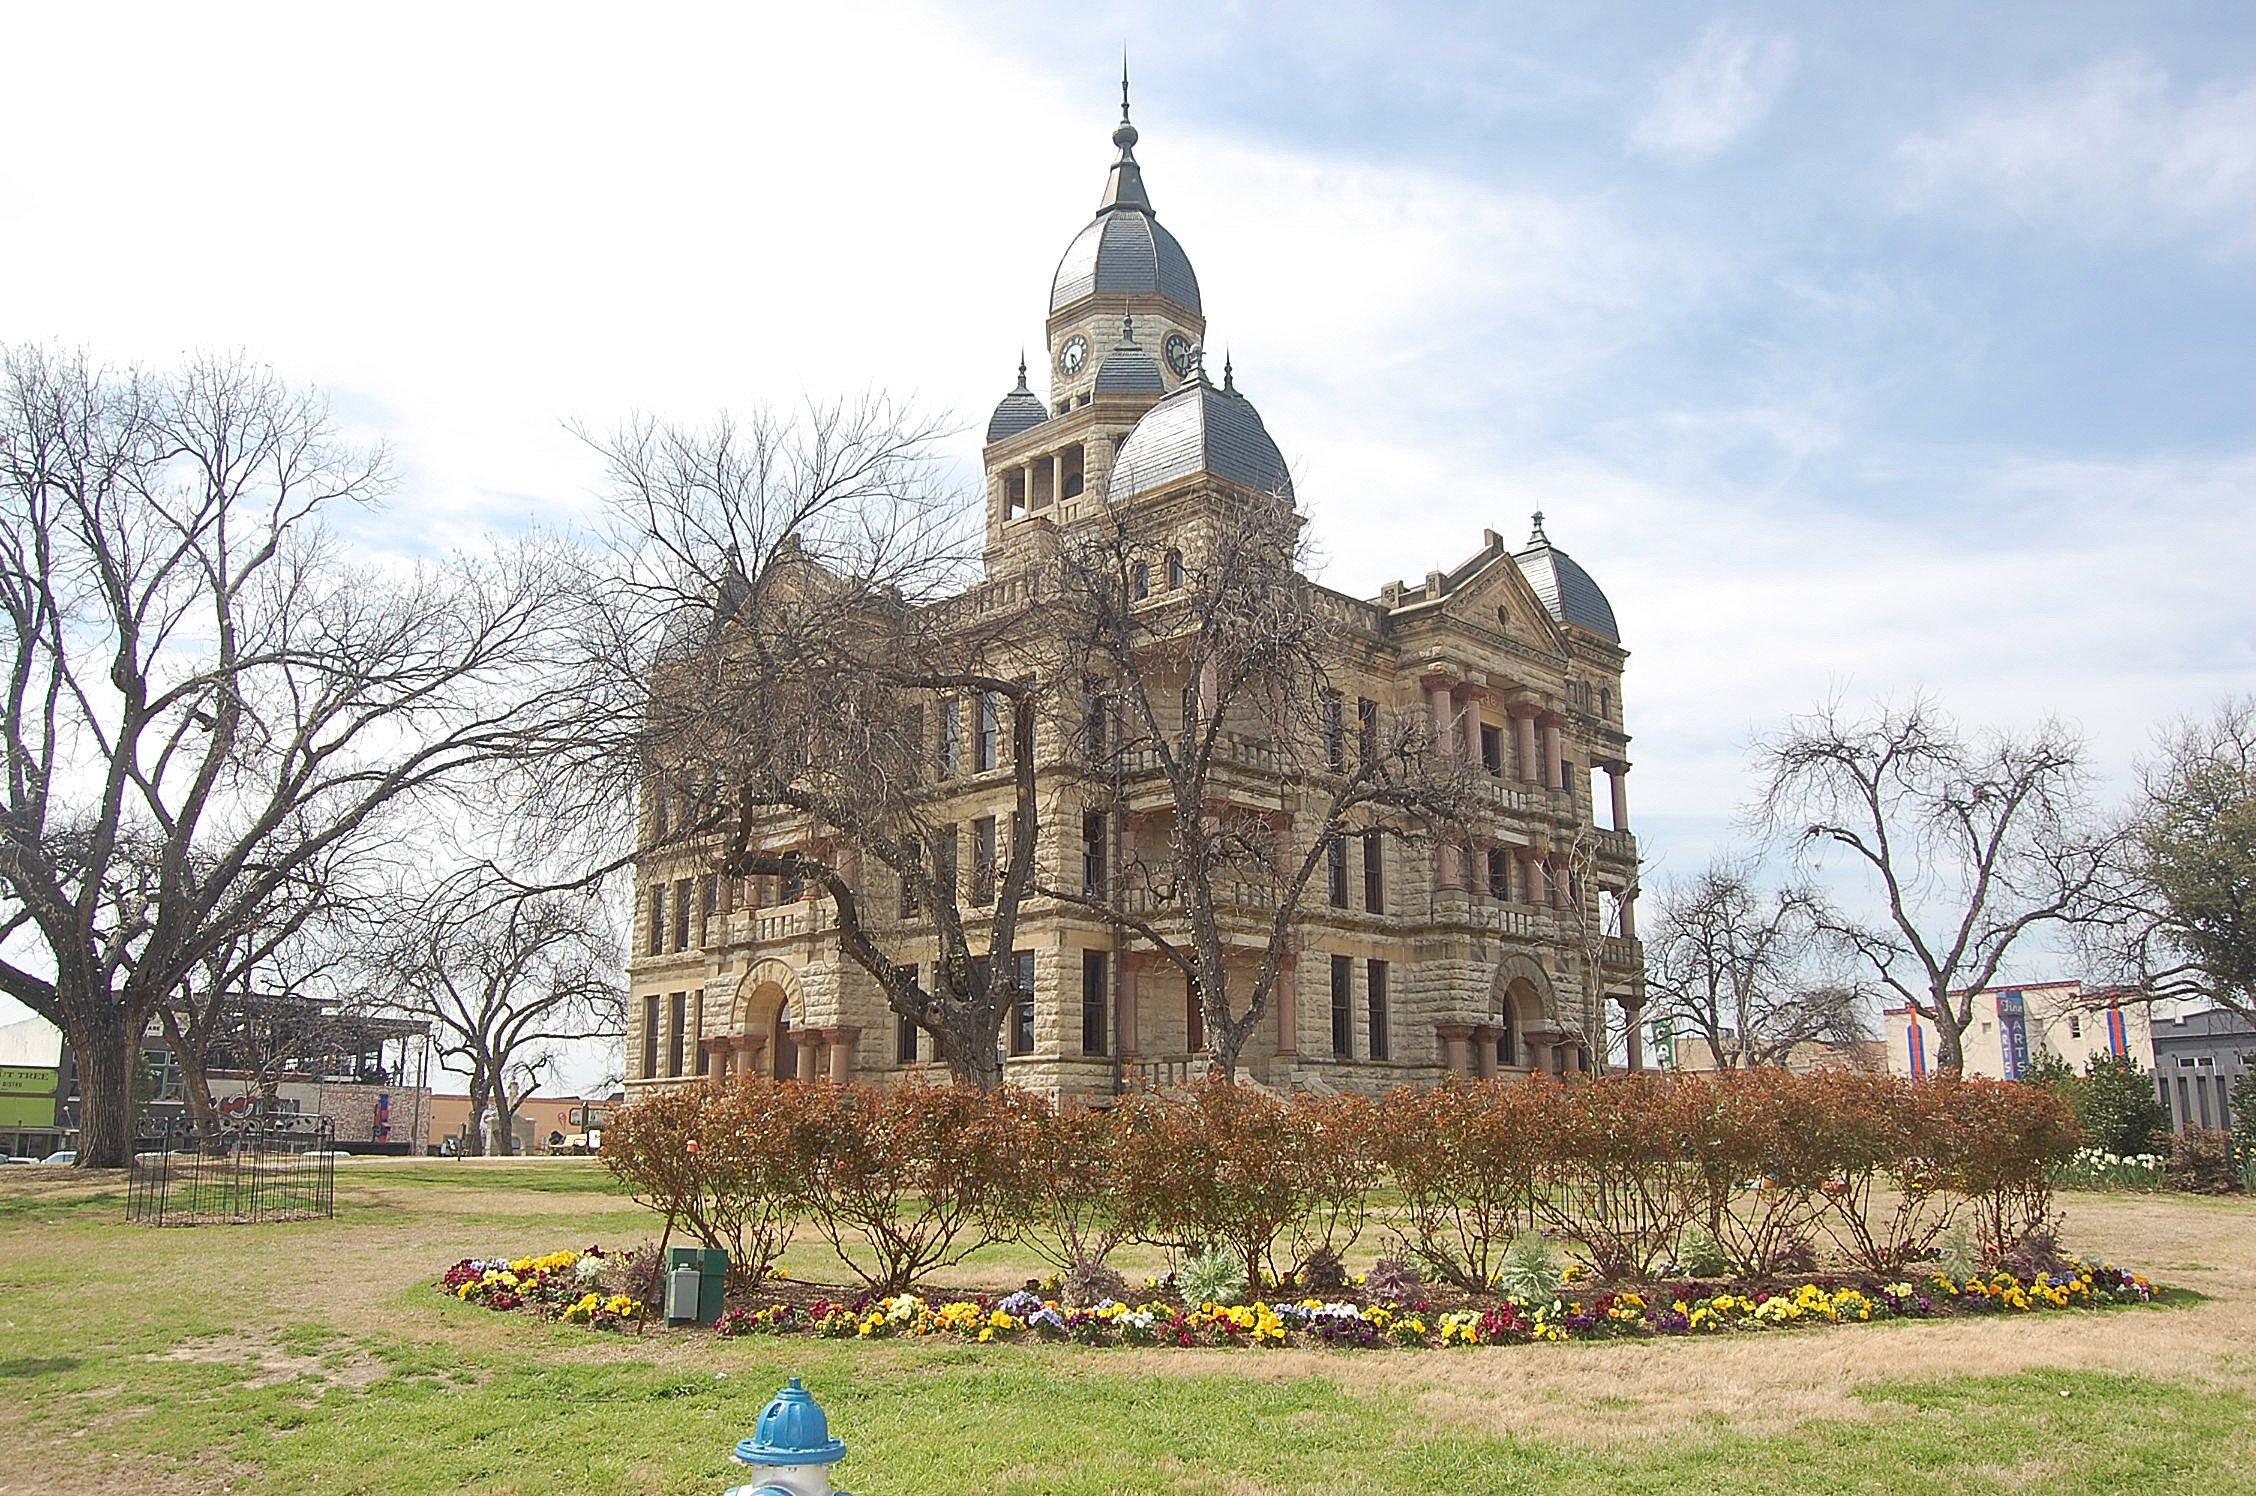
1200	429
1128	369
1020	410
1567	592
1124	248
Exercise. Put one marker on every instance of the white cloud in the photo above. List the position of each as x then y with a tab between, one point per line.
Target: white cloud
2112	149
1718	93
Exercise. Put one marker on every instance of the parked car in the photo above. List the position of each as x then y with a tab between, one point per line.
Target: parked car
4	1159
61	1156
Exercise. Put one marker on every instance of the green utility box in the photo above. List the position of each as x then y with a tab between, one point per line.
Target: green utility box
711	1267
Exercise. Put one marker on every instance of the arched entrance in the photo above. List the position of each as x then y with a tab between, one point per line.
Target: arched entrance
1521	1008
759	1041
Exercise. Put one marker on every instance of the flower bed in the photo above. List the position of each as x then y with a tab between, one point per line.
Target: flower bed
556	1285
553	1286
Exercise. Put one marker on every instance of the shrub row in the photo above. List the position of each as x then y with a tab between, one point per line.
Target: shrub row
1633	1174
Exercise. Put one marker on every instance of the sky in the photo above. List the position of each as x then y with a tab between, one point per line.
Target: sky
1854	350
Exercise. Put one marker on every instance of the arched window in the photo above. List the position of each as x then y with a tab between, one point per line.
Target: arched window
1139	581
1174	569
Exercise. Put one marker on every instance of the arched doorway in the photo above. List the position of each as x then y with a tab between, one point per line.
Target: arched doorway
1521	1006
767	999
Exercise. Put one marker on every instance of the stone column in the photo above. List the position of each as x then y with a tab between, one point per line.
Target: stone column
810	1053
1471	718
1633	1020
842	1052
1629	913
1484	1051
1449	865
1617	777
1534	887
1288	1008
1455	1056
1562	882
1554	756
1523	730
1057	476
1026	485
1437	692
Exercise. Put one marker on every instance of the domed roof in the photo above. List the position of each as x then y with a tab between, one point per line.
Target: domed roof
1020	410
1200	429
1567	592
1124	248
1128	369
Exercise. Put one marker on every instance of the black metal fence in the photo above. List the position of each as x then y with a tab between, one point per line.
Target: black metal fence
279	1169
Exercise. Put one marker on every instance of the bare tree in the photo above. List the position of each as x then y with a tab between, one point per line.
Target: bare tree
1968	845
785	647
2174	917
204	696
1742	967
1206	653
503	977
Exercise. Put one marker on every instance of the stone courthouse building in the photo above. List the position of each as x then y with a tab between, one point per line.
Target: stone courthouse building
1507	947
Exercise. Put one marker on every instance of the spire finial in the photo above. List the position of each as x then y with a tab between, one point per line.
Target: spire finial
1128	330
1537	537
1125	187
1022	368
1229	375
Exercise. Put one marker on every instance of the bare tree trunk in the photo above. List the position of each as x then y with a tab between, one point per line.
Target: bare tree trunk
106	1056
474	1136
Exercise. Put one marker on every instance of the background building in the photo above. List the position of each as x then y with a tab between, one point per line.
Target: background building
542	1124
2198	1059
2014	1025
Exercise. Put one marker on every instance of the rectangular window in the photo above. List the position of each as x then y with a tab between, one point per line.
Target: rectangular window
681	917
1343	1008
905	1029
1093	839
791	887
1367	730
1095	978
650	1037
1375	1000
1335	739
1374	873
944	860
912	854
657	942
708	905
1194	1020
1499	874
1492	748
674	1033
989	749
1335	860
983	860
951	738
1022	1005
697	1033
1096	720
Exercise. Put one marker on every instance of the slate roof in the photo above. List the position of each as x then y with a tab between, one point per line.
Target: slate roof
1568	593
1200	429
1020	410
1124	249
1128	369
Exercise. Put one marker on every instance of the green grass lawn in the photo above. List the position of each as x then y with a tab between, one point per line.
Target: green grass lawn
314	1356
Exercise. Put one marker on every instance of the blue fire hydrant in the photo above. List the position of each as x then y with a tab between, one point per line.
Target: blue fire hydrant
792	1447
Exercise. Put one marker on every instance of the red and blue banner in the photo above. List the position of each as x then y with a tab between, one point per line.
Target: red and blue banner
382	1132
2118	1038
1917	1038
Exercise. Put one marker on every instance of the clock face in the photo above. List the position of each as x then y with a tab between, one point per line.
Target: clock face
1073	355
1179	354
